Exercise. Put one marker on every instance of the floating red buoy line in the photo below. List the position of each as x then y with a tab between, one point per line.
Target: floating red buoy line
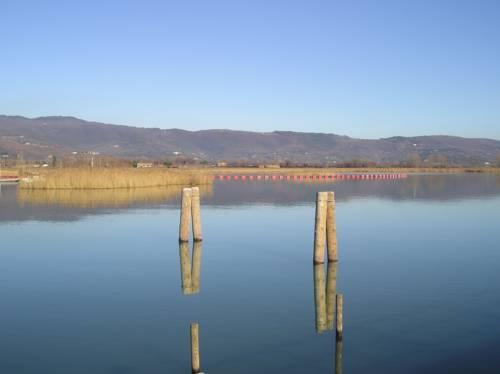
310	177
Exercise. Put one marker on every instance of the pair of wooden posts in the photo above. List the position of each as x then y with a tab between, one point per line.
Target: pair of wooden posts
328	301
190	211
325	228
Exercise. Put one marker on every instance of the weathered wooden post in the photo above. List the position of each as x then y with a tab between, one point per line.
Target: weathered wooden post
340	306
331	291
185	215
319	298
196	213
338	356
331	228
320	227
196	269
195	348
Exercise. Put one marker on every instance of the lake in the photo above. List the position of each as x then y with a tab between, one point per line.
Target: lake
92	283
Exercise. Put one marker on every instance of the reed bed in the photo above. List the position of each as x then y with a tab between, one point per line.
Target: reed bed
113	178
9	172
103	198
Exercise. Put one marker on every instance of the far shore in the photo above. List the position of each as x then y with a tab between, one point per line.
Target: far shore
327	170
129	177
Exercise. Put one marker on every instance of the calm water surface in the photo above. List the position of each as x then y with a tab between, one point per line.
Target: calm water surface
91	288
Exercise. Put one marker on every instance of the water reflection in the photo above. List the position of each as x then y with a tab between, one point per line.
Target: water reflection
190	272
104	198
415	187
325	304
339	347
324	296
65	205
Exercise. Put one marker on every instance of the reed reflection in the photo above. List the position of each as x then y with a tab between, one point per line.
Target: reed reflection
324	296
103	198
190	272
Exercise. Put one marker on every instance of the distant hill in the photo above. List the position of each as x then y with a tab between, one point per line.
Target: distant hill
37	138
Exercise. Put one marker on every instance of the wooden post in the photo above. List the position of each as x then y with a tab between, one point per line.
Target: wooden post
196	269
195	209
185	215
331	291
340	306
338	357
331	228
319	298
320	227
186	279
195	348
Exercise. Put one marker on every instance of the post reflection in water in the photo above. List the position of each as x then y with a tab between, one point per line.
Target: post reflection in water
325	300
324	296
320	297
190	273
339	346
331	291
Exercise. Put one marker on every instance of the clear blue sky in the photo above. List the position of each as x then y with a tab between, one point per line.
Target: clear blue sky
360	68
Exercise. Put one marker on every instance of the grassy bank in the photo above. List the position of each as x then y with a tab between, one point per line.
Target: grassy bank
113	178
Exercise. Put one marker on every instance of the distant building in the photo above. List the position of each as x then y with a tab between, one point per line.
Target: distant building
221	164
144	165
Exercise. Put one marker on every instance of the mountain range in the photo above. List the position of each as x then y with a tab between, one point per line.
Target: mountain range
37	138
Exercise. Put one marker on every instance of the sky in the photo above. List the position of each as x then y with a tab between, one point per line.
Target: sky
362	68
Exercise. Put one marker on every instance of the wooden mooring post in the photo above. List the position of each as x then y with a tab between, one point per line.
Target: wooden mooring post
320	228
325	228
185	215
196	214
190	212
195	348
331	228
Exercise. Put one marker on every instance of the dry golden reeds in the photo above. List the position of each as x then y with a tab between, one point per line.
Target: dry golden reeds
112	178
